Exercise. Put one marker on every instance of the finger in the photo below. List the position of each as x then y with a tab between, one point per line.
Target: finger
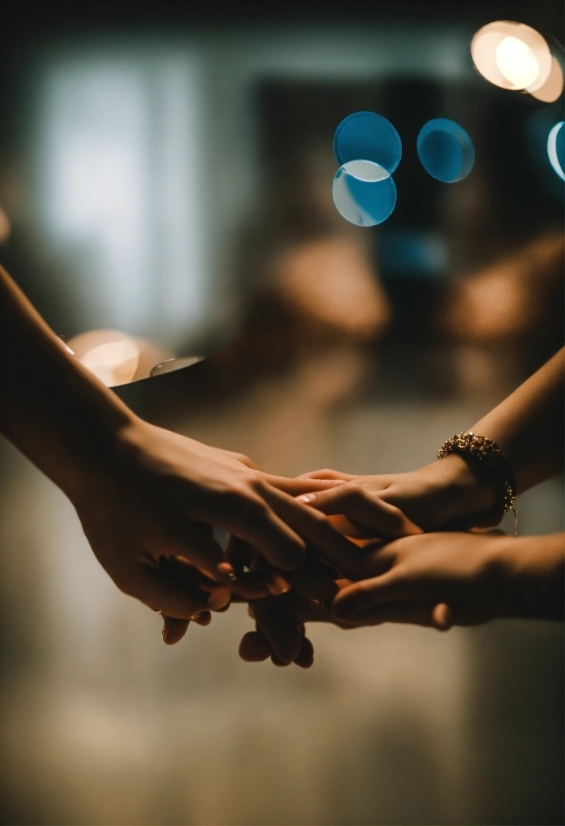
442	617
161	593
404	612
360	597
305	658
276	661
177	569
367	512
327	474
314	527
260	579
250	518
219	599
282	635
205	618
240	553
299	485
173	629
194	543
254	647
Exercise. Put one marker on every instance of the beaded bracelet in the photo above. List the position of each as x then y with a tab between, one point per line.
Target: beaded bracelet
490	457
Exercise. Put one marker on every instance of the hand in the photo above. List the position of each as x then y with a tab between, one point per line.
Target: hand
297	597
446	495
280	631
161	495
435	579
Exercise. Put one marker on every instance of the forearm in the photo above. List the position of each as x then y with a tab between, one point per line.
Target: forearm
51	407
528	425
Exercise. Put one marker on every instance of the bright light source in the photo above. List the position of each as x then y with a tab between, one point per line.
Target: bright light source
112	356
512	55
517	62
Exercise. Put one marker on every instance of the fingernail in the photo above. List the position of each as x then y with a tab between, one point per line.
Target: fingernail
226	569
219	598
307	498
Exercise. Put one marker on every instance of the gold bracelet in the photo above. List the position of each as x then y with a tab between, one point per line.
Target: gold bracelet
490	457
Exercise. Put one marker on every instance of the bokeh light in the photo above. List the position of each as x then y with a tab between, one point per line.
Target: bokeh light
512	55
368	136
517	62
364	193
553	86
445	150
113	357
556	148
170	365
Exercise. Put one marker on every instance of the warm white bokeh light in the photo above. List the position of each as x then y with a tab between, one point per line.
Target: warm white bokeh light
517	62
512	55
553	86
111	356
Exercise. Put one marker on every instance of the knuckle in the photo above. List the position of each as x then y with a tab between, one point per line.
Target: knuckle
356	493
235	495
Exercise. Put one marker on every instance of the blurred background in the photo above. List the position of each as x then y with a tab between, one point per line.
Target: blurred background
165	192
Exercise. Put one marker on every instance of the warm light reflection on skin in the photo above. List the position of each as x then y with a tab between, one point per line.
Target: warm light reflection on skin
512	55
112	356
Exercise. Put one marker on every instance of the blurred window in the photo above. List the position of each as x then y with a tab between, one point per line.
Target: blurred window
120	155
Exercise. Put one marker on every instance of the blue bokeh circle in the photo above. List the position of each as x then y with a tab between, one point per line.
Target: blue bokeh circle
370	137
445	150
364	193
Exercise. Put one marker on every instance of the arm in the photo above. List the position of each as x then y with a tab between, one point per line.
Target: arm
447	579
437	580
455	493
143	494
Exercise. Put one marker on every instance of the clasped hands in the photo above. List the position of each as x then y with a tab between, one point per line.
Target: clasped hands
323	547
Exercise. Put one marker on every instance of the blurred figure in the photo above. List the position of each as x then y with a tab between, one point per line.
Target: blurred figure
513	306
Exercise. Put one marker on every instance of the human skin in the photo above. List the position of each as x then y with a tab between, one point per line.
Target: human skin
145	495
453	494
432	579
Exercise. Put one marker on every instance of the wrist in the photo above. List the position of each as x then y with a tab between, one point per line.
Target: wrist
84	443
460	495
